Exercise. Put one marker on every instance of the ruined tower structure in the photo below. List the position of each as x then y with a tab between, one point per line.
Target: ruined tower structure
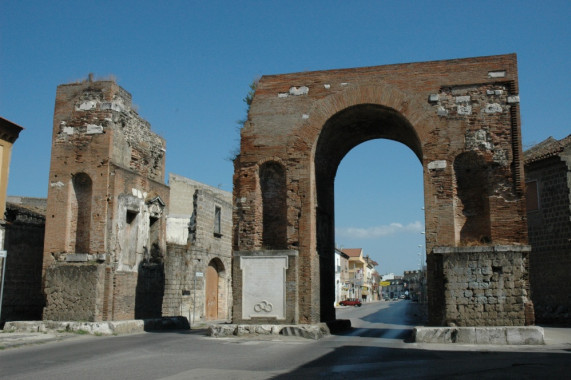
459	117
105	219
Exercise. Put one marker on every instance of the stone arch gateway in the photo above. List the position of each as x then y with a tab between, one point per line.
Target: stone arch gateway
459	117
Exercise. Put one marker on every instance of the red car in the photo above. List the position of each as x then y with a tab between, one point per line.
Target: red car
350	302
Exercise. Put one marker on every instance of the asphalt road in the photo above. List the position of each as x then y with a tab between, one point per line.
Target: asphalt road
376	347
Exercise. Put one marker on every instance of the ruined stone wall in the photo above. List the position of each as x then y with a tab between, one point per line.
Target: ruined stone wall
550	238
74	292
194	243
186	297
484	286
129	227
24	243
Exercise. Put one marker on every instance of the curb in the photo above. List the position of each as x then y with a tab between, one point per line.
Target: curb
501	335
99	328
316	331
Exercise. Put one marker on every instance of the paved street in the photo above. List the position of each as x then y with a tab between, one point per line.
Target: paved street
376	347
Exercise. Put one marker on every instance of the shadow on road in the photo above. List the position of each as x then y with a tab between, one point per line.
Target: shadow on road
386	333
350	362
414	314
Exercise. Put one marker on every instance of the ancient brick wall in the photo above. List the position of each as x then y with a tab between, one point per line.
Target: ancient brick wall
107	204
460	118
24	243
549	222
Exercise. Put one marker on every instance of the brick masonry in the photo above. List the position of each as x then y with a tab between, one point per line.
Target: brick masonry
548	176
106	208
461	119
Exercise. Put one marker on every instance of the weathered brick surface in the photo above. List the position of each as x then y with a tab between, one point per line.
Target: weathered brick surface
106	204
460	118
548	170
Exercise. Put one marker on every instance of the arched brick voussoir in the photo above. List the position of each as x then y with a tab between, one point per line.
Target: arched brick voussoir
413	107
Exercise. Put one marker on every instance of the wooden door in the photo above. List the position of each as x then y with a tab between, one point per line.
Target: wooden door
211	293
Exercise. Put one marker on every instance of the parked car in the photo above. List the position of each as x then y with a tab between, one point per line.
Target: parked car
350	302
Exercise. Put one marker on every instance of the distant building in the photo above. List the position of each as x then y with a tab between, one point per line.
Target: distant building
342	283
361	275
356	271
9	133
395	289
373	279
414	283
548	182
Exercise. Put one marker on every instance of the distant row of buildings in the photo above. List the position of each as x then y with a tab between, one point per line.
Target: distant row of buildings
355	276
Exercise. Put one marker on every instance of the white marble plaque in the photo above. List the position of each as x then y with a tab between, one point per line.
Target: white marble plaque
263	286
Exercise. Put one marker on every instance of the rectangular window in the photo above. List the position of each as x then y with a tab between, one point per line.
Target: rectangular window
217	221
532	196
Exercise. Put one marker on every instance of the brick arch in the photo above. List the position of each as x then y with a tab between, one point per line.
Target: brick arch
440	110
411	107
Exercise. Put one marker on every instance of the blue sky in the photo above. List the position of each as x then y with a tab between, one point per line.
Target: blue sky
188	65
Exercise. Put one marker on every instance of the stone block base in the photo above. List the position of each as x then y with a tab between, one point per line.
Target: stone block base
500	335
100	328
479	286
317	331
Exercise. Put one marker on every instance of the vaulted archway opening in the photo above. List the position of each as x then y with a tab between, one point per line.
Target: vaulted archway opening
341	133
